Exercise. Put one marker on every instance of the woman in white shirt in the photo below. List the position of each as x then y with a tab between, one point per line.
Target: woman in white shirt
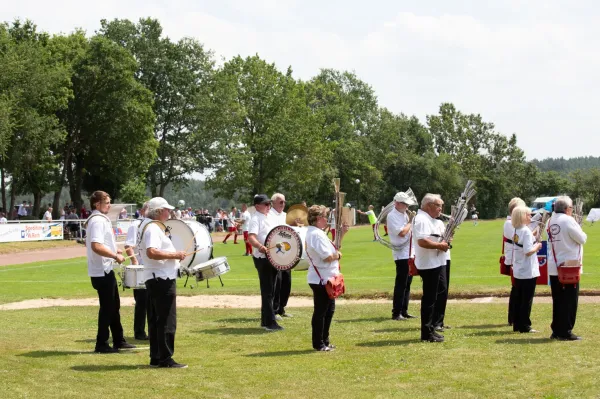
324	263
507	245
526	268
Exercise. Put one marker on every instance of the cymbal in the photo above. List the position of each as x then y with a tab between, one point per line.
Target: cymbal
297	211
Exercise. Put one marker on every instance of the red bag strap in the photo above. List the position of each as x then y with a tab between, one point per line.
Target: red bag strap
551	239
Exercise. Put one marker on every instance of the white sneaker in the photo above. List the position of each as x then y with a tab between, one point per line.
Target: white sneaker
278	317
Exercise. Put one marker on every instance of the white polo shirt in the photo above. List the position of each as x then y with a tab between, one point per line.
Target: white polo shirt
247	217
99	229
524	267
395	223
319	247
132	238
567	240
260	225
154	237
48	216
277	217
508	232
424	227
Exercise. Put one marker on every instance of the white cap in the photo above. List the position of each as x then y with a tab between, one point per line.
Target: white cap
158	203
403	197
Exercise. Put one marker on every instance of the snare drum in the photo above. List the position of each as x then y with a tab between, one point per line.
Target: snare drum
210	269
133	277
286	247
190	236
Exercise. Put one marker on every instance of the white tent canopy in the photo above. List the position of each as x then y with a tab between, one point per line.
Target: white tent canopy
594	215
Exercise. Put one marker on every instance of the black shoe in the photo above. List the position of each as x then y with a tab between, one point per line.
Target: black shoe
172	364
570	337
385	235
330	346
437	335
154	363
433	338
323	349
438	328
124	345
141	337
399	317
409	316
273	327
105	349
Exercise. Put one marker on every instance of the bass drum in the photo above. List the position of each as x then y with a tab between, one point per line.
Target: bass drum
190	236
286	247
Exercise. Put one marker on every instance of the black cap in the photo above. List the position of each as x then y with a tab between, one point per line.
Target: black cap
261	199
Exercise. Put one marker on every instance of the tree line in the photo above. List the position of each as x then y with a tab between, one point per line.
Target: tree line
128	110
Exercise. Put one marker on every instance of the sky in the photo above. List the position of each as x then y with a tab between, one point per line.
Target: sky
529	66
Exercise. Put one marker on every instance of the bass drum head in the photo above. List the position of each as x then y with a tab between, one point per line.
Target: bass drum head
284	247
302	265
181	236
203	242
190	236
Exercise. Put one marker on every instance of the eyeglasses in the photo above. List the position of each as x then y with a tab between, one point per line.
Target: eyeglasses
281	202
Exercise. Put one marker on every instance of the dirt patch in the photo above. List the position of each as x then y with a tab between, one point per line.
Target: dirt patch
44	255
248	302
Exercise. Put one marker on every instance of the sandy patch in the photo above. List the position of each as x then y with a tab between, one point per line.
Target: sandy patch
248	302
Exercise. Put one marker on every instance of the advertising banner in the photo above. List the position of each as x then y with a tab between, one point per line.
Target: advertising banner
15	232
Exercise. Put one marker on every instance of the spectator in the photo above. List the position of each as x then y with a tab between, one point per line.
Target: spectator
123	214
48	214
22	212
3	218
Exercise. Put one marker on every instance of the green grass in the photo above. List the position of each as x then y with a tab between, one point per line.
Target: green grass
367	266
47	353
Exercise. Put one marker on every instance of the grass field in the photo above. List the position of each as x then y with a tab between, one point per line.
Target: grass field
47	353
367	266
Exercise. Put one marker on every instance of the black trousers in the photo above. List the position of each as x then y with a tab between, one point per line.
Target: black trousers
565	298
109	316
267	275
283	288
511	304
431	281
162	318
140	312
442	296
401	288
523	302
324	308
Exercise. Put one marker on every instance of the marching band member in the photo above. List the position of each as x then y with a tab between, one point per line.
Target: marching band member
526	268
283	282
101	251
508	248
399	225
260	225
429	261
246	216
161	264
232	226
372	218
140	295
566	240
325	258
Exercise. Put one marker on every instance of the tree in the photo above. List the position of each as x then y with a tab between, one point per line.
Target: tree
268	138
109	122
178	75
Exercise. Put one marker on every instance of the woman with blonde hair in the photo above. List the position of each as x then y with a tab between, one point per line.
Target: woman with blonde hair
526	268
507	245
324	264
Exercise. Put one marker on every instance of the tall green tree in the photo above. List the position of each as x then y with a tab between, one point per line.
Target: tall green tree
109	122
178	75
268	138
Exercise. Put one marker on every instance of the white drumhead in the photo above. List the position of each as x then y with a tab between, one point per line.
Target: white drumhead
285	247
134	267
211	263
190	236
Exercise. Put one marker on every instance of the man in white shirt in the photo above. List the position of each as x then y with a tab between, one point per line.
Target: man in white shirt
246	217
140	295
399	227
566	239
283	283
260	225
101	252
22	212
430	260
48	214
161	265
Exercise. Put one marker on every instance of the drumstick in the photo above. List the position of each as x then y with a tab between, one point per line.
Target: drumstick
191	253
192	241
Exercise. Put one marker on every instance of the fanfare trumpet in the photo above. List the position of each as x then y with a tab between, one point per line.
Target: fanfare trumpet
578	211
459	211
